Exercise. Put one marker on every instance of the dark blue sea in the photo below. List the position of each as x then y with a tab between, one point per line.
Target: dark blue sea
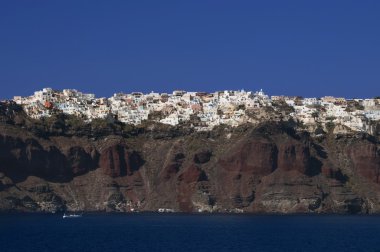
188	232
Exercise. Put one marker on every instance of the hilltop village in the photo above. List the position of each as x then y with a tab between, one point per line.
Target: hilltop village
204	111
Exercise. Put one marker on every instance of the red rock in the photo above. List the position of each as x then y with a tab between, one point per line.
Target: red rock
366	160
118	161
256	156
192	174
170	170
293	156
186	186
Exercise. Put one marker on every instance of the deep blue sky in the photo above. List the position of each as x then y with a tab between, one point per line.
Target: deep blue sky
308	48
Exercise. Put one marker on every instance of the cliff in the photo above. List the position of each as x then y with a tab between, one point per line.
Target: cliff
62	163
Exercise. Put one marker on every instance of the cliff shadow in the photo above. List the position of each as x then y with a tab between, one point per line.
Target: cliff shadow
130	162
320	150
314	167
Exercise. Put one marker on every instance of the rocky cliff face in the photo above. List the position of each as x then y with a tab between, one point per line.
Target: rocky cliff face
64	164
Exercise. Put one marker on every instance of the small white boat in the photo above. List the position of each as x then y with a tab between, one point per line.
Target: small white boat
165	210
71	215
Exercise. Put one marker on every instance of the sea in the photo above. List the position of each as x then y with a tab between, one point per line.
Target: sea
189	232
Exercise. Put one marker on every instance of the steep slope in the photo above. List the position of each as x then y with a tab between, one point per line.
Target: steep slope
65	164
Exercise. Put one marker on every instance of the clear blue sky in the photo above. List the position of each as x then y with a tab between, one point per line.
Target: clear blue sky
307	48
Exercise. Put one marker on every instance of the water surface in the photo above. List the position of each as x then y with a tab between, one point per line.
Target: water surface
187	232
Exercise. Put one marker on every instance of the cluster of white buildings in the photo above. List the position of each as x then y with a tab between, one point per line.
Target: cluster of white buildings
226	107
353	114
203	110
